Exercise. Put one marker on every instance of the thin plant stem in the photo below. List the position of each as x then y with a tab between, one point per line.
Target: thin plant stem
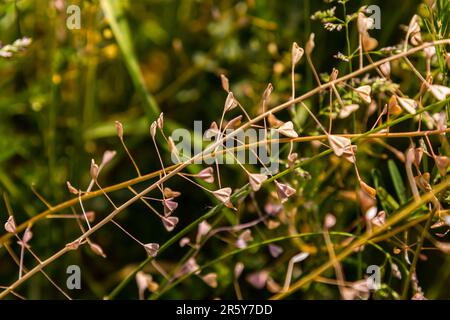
84	212
131	157
311	65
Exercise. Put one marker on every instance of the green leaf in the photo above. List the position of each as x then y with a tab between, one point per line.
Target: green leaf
397	181
387	201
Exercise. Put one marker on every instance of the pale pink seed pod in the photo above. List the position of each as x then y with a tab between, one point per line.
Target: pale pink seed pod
206	175
27	235
170	223
97	249
230	102
108	156
94	170
275	251
152	249
160	121
256	180
223	195
225	83
287	129
71	188
297	53
268	91
310	44
338	144
330	221
210	279
119	128
153	129
10	225
284	191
